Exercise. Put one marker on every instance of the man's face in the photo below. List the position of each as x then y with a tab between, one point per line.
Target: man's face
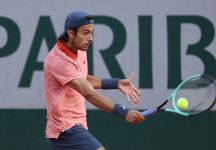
84	37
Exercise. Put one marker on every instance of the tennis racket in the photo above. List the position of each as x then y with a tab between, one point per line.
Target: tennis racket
198	90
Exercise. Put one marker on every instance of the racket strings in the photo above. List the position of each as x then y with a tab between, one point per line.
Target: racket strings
200	93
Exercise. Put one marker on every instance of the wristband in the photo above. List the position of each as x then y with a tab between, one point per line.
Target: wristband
109	83
120	110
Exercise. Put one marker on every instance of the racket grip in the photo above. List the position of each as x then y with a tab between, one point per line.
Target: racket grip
149	112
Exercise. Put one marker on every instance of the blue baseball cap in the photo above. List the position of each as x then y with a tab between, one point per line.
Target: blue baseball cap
76	19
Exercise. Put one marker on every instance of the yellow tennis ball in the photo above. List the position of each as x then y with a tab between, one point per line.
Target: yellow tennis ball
182	103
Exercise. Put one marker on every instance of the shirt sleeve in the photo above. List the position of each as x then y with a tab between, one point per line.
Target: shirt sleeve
65	71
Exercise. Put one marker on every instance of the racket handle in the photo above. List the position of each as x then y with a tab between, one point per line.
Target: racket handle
149	112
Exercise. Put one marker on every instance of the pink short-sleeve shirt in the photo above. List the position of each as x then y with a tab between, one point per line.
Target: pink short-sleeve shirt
65	106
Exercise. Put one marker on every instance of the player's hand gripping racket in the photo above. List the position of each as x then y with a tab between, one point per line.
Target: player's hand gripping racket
198	93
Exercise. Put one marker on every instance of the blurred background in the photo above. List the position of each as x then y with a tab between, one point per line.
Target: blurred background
163	42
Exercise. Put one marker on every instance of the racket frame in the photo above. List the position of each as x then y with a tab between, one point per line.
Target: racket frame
172	98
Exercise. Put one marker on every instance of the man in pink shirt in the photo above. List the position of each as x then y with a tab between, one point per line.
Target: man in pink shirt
67	85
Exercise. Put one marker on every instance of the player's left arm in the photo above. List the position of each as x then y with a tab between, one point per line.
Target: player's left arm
124	85
95	81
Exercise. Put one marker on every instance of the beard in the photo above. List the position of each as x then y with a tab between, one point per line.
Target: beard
82	47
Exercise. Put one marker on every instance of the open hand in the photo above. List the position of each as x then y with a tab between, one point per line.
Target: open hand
129	90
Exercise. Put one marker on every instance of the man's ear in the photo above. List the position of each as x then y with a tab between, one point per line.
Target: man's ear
70	33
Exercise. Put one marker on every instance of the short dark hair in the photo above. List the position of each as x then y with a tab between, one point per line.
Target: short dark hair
64	37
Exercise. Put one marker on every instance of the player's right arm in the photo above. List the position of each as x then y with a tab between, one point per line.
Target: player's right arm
99	100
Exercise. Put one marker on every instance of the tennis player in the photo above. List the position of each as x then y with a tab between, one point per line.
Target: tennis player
67	85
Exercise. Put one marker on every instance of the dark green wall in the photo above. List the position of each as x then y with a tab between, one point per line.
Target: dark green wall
24	130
